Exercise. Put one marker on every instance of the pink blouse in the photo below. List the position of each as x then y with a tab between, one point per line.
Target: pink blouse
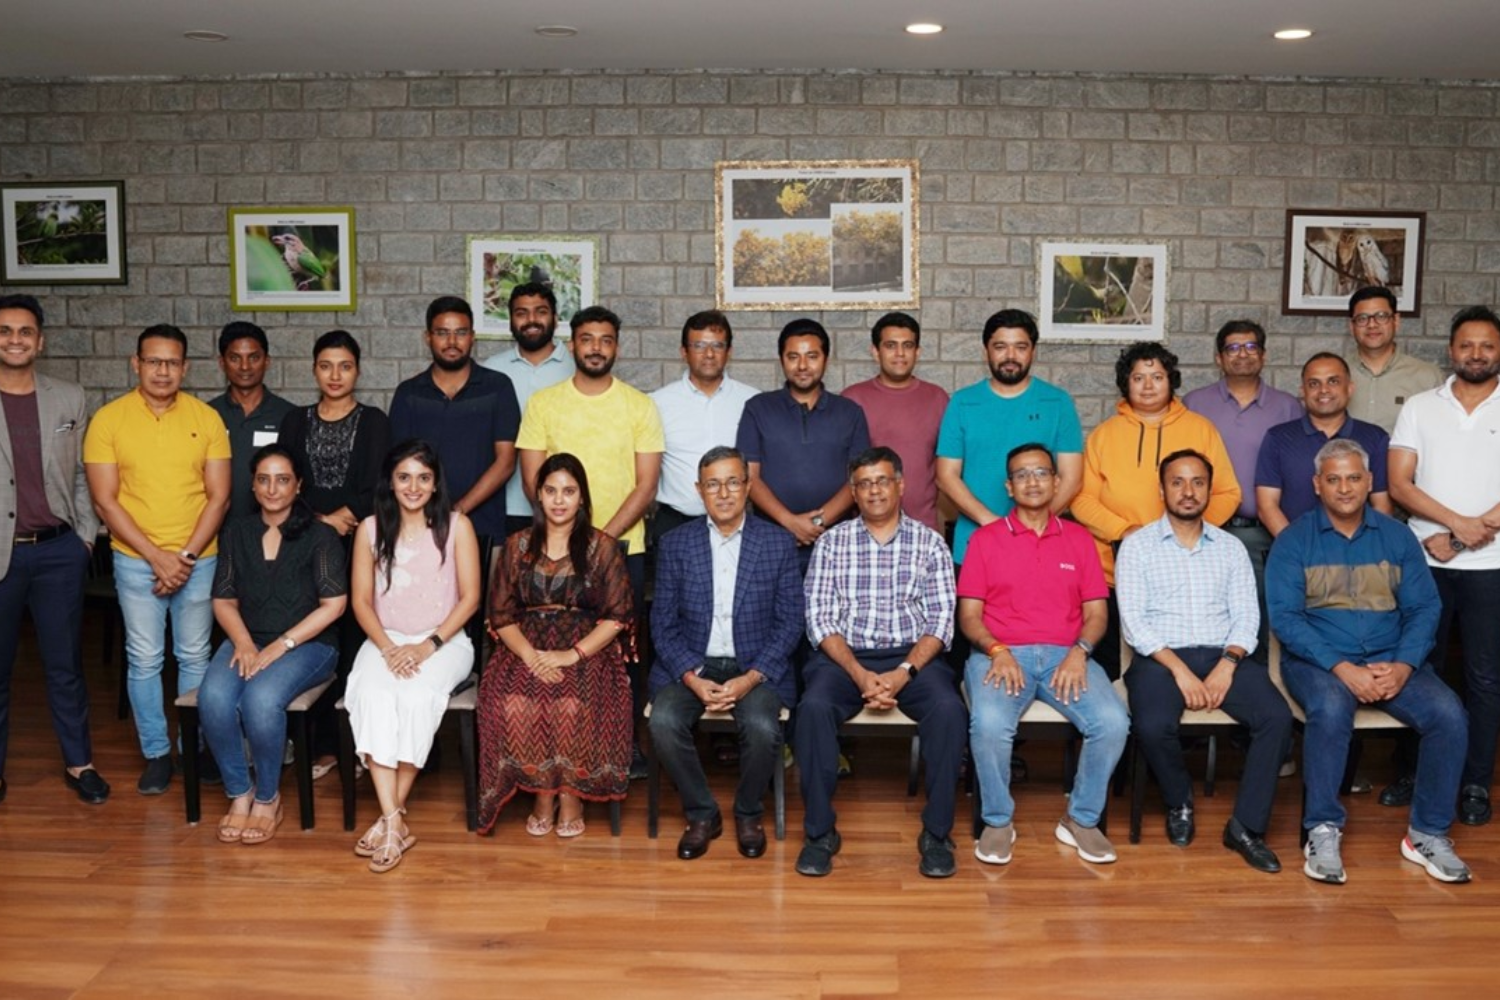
423	587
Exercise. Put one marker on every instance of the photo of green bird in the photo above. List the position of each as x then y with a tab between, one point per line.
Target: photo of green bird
307	270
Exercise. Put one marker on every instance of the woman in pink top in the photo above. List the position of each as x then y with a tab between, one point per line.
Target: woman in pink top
415	585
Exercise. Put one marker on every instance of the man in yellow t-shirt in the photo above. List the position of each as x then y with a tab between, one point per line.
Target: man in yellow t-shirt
158	467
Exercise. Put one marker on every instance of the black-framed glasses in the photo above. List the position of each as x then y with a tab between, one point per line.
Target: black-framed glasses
1365	319
1250	348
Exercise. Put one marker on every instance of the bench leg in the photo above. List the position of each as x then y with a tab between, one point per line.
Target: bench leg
469	761
346	766
1213	767
614	817
653	794
778	789
302	751
1137	792
914	767
187	723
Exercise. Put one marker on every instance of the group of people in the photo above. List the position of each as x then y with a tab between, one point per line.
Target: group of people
800	568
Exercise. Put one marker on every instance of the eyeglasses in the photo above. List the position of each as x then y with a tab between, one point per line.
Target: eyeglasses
723	485
1365	319
1250	347
704	346
1040	475
162	364
458	332
879	482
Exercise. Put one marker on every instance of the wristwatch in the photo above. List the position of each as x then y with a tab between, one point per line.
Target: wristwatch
189	555
436	640
817	520
911	671
289	642
1232	656
1455	544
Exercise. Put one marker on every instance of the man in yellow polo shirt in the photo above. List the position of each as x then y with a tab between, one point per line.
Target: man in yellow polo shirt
158	468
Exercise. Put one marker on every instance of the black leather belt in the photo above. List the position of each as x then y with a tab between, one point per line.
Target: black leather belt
45	535
1242	522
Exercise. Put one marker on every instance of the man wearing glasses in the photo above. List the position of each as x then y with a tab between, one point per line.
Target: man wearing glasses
880	603
699	411
158	466
726	617
1385	377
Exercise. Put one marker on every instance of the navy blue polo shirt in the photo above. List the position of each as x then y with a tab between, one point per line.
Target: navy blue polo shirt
803	453
247	433
463	430
1286	459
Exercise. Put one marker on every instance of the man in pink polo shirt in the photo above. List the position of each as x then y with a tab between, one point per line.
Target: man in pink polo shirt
1031	598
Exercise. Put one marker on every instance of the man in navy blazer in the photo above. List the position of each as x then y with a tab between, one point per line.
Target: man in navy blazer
727	614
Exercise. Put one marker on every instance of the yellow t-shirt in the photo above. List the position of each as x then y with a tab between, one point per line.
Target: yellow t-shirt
161	462
605	433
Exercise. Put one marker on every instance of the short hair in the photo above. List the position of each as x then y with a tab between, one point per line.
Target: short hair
594	314
1179	455
1022	449
1146	350
241	330
1324	356
901	320
802	327
1372	292
1470	314
721	453
161	331
27	302
448	304
874	456
1235	326
1340	448
337	340
708	319
1011	319
525	289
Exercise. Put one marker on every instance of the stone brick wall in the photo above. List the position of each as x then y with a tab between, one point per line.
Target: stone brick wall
1207	165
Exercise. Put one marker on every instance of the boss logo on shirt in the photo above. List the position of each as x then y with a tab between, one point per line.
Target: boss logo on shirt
1068	566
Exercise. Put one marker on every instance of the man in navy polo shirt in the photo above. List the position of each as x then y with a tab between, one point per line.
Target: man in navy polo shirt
467	412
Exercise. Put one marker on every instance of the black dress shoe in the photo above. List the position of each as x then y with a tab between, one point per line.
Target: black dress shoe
1474	806
937	855
817	854
1250	847
90	787
694	842
1180	826
1398	793
751	836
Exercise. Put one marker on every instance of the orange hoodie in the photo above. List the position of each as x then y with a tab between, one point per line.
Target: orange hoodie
1121	487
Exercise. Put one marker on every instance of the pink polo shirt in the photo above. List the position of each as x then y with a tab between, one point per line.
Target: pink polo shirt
1033	586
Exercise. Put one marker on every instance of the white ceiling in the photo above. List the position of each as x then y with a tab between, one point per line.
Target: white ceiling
1442	39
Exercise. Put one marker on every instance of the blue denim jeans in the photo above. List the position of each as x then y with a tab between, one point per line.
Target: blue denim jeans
231	706
1425	703
145	617
993	715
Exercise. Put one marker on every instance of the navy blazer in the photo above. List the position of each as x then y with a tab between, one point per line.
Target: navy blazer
768	615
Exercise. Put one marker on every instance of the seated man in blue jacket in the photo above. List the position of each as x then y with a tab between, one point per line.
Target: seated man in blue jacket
725	619
1356	609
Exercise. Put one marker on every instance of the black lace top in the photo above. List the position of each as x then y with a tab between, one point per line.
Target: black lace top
276	594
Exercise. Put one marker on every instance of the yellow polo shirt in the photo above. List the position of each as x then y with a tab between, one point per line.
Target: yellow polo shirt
161	461
605	433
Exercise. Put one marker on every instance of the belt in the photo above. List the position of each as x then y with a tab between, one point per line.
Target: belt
1242	522
45	535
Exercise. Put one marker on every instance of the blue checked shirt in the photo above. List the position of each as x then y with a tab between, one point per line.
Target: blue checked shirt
880	596
1171	597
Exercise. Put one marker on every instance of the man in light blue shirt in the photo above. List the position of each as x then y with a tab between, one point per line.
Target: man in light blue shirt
536	362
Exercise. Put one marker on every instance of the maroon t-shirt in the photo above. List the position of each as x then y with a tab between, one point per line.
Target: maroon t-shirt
32	512
907	422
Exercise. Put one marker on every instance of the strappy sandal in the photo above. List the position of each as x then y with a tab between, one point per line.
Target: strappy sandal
540	826
393	847
369	842
568	829
259	829
232	827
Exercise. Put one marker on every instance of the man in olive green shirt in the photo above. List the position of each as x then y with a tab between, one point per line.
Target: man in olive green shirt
1384	376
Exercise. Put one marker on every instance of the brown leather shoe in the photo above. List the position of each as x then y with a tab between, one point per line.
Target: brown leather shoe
694	842
751	836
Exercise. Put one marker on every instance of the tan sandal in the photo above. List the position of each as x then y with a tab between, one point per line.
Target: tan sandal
259	829
232	827
392	848
369	843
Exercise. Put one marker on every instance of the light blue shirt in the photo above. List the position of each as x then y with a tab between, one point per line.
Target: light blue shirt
527	379
1171	597
694	422
726	557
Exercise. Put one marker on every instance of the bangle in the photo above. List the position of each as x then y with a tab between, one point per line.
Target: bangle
1085	645
996	650
578	648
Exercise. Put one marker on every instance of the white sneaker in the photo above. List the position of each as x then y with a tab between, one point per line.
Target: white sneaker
994	844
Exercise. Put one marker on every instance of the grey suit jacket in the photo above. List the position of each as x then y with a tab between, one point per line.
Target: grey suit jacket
62	417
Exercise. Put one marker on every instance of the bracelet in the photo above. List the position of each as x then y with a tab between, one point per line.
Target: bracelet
578	648
996	650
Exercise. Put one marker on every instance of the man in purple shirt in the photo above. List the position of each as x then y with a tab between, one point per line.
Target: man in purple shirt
1243	407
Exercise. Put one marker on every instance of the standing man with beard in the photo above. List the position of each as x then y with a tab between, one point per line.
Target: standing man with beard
536	362
1445	470
465	411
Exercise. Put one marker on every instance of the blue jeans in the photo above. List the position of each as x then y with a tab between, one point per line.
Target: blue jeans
1425	703
145	617
993	715
230	706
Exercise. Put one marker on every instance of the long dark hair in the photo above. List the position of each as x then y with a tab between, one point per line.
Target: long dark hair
388	510
301	516
583	524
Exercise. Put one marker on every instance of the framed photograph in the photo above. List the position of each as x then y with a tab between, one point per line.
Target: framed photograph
1109	292
1331	255
568	265
291	259
816	234
63	234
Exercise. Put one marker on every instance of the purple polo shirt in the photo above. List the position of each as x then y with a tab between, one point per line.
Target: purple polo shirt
1033	586
1243	428
1286	460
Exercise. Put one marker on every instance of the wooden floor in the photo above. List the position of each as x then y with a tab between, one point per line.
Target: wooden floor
127	900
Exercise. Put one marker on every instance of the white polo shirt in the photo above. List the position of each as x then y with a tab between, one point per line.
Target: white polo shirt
694	422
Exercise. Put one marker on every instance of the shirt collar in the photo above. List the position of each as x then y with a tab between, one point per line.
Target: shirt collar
1017	527
714	535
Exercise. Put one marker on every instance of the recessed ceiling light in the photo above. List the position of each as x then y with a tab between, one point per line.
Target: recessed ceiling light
1292	34
205	36
923	28
556	31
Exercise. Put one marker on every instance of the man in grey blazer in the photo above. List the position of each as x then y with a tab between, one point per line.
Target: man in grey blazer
46	534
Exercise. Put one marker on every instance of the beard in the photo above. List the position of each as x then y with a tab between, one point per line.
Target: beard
1005	377
595	366
1478	374
451	366
533	338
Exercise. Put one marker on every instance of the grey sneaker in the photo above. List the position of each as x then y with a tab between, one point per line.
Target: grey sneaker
1322	852
1093	846
1436	855
994	844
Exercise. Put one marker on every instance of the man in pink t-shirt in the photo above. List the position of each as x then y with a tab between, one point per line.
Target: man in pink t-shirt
903	411
1031	598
